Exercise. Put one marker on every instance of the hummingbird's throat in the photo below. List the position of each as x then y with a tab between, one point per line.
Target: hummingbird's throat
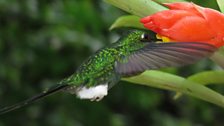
163	38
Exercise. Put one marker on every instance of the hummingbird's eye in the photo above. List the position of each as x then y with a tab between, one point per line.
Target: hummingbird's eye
145	37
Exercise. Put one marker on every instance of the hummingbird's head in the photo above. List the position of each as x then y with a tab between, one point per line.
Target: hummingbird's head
136	38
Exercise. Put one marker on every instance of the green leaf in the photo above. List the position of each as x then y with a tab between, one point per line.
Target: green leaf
169	1
208	77
127	21
221	5
171	82
140	8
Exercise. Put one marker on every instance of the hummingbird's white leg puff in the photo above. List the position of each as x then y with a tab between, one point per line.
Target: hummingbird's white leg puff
95	93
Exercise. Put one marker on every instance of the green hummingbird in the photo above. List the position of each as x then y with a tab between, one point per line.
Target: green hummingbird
129	56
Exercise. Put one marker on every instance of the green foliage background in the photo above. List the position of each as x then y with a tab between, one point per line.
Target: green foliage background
41	42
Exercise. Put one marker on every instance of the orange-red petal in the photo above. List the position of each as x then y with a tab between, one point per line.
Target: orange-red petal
189	29
164	19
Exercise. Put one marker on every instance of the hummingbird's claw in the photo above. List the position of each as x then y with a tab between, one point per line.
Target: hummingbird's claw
98	98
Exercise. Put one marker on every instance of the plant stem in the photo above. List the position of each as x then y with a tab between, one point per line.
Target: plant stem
218	58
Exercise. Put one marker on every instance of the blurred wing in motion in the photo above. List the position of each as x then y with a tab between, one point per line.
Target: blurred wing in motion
160	55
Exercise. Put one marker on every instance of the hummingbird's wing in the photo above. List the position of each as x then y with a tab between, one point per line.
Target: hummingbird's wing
160	55
33	99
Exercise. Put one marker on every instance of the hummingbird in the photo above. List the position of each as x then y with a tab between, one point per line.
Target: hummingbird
131	55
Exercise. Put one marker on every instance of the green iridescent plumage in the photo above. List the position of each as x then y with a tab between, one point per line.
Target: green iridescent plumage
99	68
129	56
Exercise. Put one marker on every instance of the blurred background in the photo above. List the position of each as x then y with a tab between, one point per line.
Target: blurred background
43	41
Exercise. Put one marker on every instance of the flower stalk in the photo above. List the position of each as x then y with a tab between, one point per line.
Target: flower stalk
171	82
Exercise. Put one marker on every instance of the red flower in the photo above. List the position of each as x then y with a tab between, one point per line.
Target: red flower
187	22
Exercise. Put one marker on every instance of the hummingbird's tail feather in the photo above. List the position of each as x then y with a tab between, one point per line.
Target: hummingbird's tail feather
33	99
